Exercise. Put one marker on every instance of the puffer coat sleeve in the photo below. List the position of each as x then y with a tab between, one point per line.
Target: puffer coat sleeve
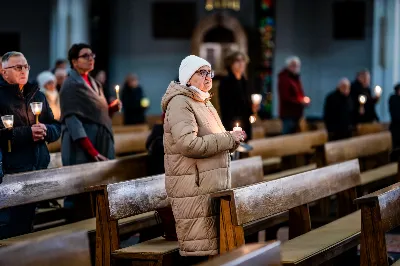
184	131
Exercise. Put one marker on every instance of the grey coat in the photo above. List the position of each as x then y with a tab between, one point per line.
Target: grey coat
77	126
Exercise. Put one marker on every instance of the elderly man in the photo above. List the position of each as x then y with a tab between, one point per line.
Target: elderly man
338	110
28	139
291	96
361	86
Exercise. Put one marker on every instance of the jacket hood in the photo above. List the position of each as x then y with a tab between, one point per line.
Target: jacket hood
175	89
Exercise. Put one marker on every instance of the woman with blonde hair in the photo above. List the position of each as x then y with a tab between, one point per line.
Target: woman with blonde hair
197	157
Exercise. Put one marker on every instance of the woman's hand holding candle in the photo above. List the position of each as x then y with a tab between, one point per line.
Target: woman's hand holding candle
238	133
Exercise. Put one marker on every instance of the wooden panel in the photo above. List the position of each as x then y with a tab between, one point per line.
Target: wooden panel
389	202
66	250
146	194
247	171
357	147
271	126
266	254
288	145
369	128
268	198
379	173
47	184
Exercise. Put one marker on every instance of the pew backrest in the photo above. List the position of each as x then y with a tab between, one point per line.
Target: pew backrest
356	147
369	128
258	201
55	249
131	128
147	194
259	254
292	144
19	189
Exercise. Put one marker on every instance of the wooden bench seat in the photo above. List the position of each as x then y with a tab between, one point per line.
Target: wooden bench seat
289	172
258	254
379	173
310	248
257	203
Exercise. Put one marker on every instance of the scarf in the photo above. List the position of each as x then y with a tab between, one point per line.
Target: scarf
203	95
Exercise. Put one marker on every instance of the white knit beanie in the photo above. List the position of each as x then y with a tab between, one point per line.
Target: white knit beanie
45	77
189	66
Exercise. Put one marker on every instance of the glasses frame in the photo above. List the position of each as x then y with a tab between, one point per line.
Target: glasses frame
87	56
205	73
19	68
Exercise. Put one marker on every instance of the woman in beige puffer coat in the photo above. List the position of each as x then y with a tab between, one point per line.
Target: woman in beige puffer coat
197	156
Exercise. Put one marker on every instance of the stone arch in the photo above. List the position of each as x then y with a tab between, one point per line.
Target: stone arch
213	21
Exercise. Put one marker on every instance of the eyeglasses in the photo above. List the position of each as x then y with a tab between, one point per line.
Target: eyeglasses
87	56
19	68
205	73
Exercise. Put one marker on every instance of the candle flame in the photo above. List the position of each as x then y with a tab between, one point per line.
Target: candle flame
237	124
117	88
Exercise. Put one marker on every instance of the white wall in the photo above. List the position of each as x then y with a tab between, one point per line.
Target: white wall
304	28
32	20
133	48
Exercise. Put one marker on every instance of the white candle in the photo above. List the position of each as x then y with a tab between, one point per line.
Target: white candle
8	121
362	99
307	99
145	102
237	128
378	91
117	91
252	119
36	108
256	98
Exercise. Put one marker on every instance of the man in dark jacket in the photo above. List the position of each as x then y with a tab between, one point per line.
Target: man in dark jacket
361	86
394	109
28	140
337	112
291	96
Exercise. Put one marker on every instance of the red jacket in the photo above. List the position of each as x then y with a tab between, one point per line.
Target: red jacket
290	95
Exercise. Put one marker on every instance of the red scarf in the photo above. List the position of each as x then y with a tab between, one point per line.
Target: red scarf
86	78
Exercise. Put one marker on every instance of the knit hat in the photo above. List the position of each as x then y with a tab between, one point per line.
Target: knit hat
189	66
45	77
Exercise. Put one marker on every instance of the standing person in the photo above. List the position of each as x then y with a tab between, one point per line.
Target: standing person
47	85
234	97
86	135
291	96
28	140
197	158
338	110
394	109
132	100
60	64
361	86
155	148
61	74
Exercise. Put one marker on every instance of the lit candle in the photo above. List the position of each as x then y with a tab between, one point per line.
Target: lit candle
117	91
362	99
237	128
8	122
378	91
252	119
37	110
256	99
145	102
306	100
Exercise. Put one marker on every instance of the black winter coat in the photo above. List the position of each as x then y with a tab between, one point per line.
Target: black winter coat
25	155
338	110
394	109
370	114
131	98
235	103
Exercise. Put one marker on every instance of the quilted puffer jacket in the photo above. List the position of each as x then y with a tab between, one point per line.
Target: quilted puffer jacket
197	162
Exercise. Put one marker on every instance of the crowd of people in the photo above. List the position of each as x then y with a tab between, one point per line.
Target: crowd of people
193	143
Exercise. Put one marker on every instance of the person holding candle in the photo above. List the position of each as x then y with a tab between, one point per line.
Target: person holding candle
292	100
28	139
197	157
338	110
234	97
132	97
394	109
363	112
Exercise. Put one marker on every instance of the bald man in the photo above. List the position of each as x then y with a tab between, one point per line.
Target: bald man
338	111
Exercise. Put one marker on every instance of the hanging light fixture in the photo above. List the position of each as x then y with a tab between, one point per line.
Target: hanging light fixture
222	4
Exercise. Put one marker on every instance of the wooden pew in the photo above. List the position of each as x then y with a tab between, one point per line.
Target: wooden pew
136	197
373	151
131	128
260	254
60	250
255	203
124	143
30	187
369	128
288	151
380	213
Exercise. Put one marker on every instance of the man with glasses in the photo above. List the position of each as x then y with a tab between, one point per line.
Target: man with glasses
28	139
